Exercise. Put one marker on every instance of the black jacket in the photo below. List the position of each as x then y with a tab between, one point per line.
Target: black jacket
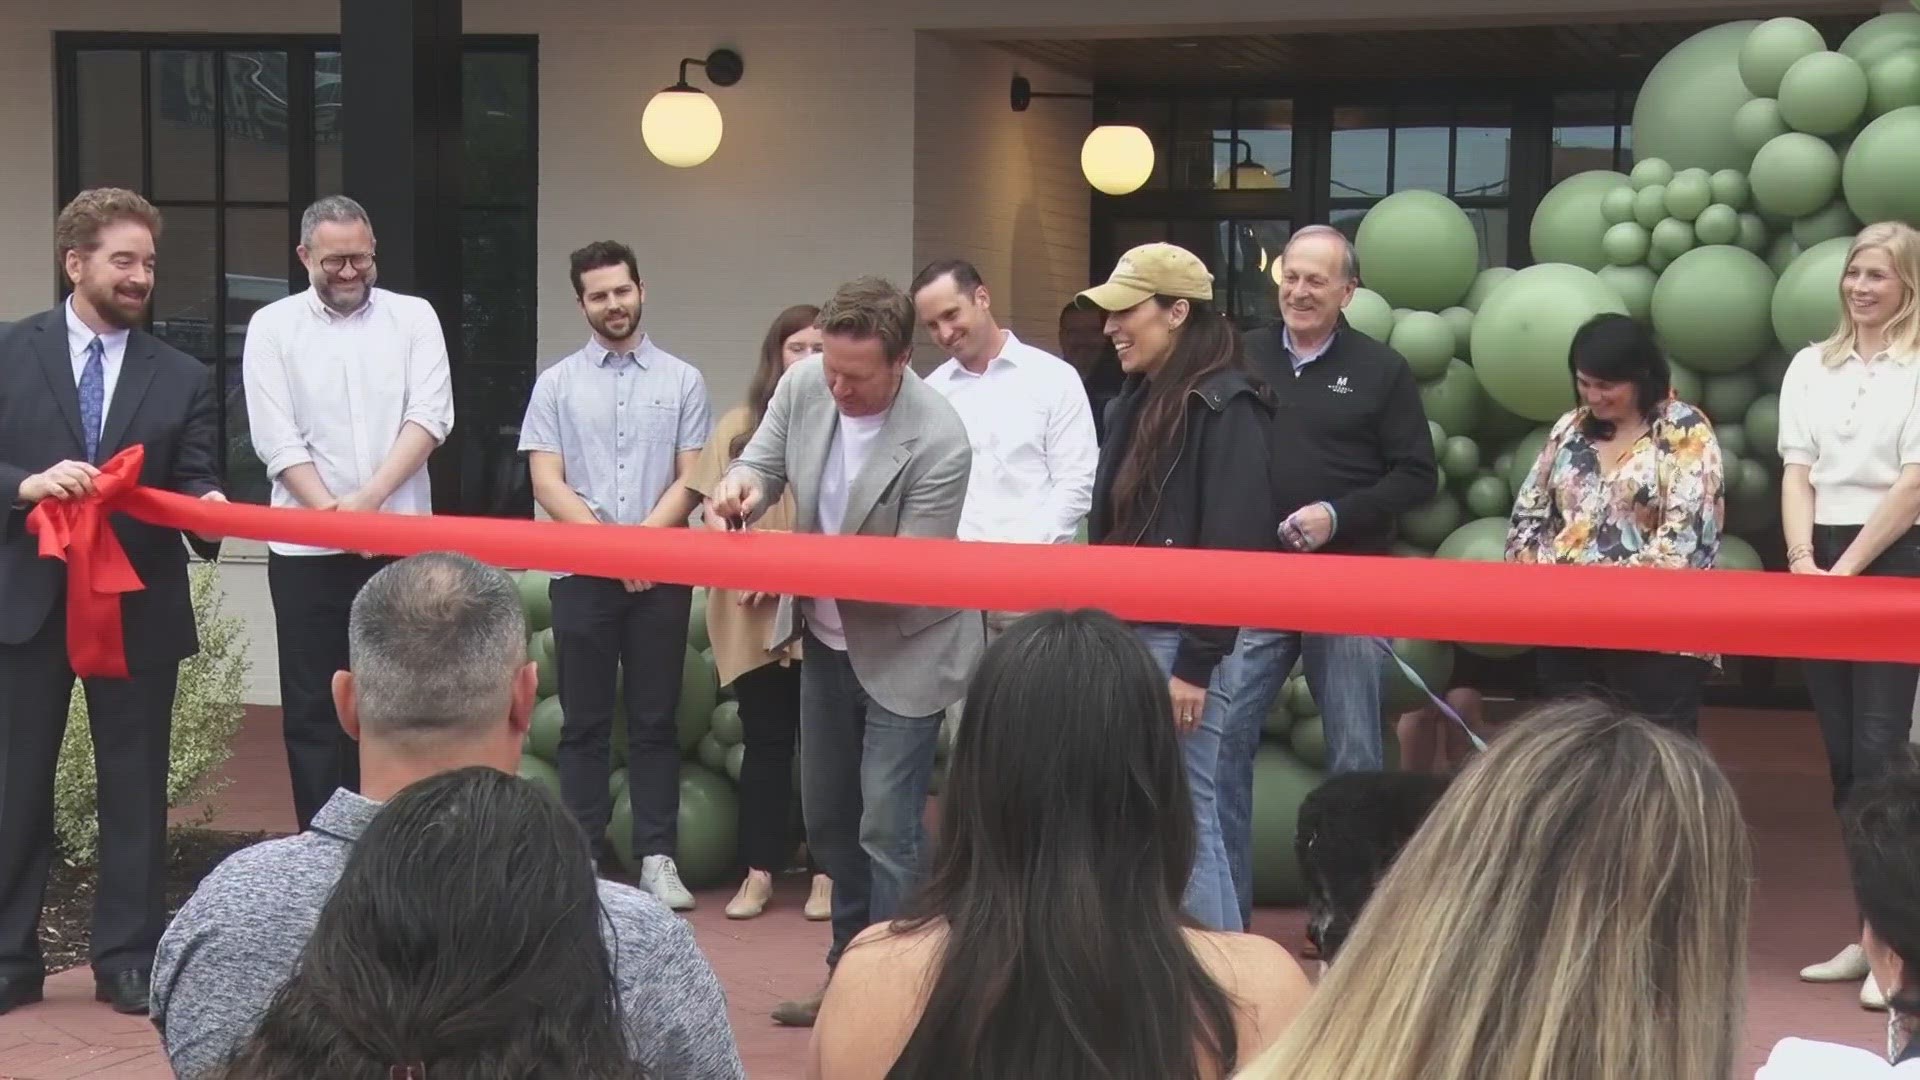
1351	431
1208	496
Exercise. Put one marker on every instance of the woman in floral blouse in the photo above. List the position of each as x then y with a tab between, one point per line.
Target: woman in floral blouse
1632	477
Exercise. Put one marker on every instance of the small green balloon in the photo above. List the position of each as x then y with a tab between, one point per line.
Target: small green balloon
1616	205
1673	238
1733	437
1757	124
1711	308
1690	192
1428	525
1369	313
1831	222
1484	283
1795	175
1439	436
1460	321
1881	166
1823	93
1728	397
1650	206
1461	456
1762	424
1525	456
1737	554
1753	233
1488	496
1502	465
1658	260
1750	482
1634	285
1806	302
1687	385
1426	341
1454	400
1730	188
1626	244
1771	48
1650	172
1894	82
1717	224
1772	367
1781	254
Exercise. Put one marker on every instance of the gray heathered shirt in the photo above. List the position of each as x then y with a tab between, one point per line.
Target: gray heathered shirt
240	936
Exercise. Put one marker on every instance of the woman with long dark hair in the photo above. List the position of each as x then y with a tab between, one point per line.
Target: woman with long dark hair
1048	940
765	682
1630	477
463	942
1184	465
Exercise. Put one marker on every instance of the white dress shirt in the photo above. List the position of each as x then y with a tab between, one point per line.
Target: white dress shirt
335	390
1034	447
853	440
114	354
1854	426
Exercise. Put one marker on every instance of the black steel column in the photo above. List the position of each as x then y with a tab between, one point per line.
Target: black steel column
401	142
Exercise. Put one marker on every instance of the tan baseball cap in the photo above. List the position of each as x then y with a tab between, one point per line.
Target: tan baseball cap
1152	270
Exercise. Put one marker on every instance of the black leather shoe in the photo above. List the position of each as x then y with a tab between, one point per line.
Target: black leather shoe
126	991
19	990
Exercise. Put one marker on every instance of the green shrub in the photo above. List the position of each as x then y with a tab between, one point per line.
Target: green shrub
206	713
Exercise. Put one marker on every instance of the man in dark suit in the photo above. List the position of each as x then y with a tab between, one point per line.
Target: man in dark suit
78	384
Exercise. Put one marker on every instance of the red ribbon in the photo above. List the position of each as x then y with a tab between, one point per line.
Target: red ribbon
1738	613
98	573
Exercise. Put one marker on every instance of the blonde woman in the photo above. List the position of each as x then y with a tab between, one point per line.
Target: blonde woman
1574	909
1849	500
765	683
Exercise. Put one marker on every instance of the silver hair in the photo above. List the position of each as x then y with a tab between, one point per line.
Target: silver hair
434	642
338	209
1350	260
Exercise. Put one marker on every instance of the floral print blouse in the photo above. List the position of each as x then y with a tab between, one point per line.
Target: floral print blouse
1662	505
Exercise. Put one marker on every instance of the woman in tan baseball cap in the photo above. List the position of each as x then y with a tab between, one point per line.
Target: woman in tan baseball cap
1184	465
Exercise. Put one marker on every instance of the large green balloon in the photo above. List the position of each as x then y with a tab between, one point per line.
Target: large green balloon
1772	48
1795	174
1525	456
1569	222
1482	540
1431	660
1823	93
699	695
1456	399
1419	249
540	651
1460	321
1687	385
534	599
1483	284
708	830
1281	782
1684	113
1882	166
1806	301
1523	331
1432	522
1369	313
1634	285
1426	341
540	772
697	638
1758	123
1882	36
1833	221
1894	82
543	730
1711	308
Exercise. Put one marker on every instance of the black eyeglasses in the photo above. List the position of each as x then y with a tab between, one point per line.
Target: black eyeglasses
333	264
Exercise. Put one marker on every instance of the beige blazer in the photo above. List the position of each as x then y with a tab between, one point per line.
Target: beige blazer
739	632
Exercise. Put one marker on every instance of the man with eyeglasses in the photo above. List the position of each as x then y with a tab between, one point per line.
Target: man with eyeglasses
348	393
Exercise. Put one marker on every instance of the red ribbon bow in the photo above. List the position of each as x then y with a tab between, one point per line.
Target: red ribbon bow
98	573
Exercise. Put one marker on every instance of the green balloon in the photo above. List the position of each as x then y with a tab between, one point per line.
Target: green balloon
1626	244
1523	331
1525	456
1727	399
1634	285
1650	172
1482	540
1894	82
699	696
1690	192
1737	554
1717	224
1733	437
1461	456
1763	424
543	730
1772	48
1753	233
1455	399
1281	782
1300	703
1751	482
1757	123
1484	282
711	752
1687	385
616	784
1711	308
1650	206
532	768
1782	252
1426	341
1430	523
1806	301
1616	205
726	724
697	622
1795	175
1568	223
736	758
1502	466
1772	368
1730	188
1673	238
1823	93
1882	36
1439	436
1658	260
1881	167
1460	321
1369	313
1684	112
1420	250
1431	660
1834	221
1489	496
534	599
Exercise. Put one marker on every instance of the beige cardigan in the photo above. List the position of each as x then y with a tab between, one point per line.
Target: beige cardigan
739	632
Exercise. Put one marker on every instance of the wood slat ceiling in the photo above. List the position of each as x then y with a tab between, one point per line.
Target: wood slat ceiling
1601	53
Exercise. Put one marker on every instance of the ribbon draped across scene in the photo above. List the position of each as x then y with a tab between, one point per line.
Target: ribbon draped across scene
1742	613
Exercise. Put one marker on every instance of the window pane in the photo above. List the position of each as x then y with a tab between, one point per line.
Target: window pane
1266	129
1123	236
1256	259
256	126
183	301
1149	115
1359	168
1422	147
1583	132
258	242
1205	133
496	251
108	120
1490	225
326	124
1206	239
183	106
1482	154
498	128
1348	222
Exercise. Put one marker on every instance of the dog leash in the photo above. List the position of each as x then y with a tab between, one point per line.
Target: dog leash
1421	684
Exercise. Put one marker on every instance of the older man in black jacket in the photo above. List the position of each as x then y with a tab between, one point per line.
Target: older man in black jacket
1351	452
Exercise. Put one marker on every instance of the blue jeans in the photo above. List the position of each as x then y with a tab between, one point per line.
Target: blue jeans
1345	676
1210	897
864	774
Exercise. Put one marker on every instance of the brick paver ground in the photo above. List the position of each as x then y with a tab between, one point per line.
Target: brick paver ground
1801	914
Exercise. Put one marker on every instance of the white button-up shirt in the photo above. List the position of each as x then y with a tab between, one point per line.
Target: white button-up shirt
1854	426
335	390
1034	448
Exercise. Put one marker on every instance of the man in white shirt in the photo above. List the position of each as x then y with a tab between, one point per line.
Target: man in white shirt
348	393
1026	412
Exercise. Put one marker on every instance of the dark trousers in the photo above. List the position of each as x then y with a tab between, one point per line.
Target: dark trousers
769	698
1865	709
1662	687
312	598
132	722
601	630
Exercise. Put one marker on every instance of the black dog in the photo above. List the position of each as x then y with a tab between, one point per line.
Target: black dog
1350	830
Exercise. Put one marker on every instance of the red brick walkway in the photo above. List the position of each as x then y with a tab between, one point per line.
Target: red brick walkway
1801	914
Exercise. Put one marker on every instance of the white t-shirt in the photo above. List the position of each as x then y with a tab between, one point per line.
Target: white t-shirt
853	441
1854	426
1801	1059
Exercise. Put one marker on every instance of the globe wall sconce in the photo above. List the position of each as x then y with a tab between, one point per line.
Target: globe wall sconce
1115	158
681	125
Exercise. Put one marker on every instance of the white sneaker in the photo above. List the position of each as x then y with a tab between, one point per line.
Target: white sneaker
1870	995
1846	966
660	877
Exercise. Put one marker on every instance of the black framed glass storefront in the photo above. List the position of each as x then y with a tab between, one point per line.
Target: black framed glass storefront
231	137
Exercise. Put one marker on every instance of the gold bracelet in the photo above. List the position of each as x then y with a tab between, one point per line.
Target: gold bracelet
1798	551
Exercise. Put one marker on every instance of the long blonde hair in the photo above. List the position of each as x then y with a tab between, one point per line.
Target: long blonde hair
1574	909
1902	245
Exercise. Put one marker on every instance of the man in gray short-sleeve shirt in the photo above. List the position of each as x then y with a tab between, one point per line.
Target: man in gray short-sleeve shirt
610	434
439	681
